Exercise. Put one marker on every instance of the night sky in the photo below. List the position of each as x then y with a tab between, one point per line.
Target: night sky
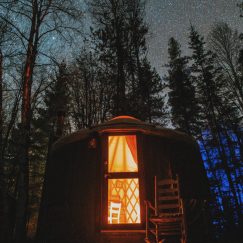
167	18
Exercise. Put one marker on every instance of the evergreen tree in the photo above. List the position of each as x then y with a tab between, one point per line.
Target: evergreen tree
184	107
240	5
137	43
56	105
48	124
209	86
111	41
147	100
119	40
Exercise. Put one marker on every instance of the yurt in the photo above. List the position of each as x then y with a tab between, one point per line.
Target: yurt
98	181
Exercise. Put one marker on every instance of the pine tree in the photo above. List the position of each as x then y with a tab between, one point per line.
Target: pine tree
111	38
240	6
209	86
184	107
147	101
119	39
137	43
56	104
48	124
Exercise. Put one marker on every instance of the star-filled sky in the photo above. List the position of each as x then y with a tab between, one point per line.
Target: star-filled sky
167	18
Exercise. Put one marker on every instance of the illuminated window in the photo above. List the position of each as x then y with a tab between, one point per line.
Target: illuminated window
123	187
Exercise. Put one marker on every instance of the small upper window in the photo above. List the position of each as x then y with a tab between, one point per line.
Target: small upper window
122	154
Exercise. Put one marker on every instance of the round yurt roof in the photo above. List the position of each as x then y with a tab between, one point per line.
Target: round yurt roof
125	124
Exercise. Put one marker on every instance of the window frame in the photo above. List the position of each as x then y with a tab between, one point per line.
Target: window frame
105	175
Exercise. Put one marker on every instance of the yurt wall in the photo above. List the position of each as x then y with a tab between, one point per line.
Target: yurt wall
70	198
75	198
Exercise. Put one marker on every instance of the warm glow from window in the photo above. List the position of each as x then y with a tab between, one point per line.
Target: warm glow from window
126	193
123	193
122	154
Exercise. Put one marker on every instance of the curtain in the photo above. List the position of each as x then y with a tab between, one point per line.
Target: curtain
132	144
122	155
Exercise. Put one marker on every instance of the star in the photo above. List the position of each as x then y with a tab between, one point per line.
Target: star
172	18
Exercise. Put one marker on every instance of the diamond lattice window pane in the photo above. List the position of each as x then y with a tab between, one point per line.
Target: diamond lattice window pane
123	192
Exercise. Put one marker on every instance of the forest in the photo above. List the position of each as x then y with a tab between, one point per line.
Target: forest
65	66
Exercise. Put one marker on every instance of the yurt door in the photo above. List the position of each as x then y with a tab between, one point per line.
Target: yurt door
121	181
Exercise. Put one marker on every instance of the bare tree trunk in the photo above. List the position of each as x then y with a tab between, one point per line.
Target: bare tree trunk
23	182
4	206
2	183
32	13
1	106
3	196
11	123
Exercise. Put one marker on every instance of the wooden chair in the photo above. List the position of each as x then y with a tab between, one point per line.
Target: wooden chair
166	218
115	211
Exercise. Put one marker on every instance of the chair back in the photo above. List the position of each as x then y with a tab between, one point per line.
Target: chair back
168	218
115	210
167	197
